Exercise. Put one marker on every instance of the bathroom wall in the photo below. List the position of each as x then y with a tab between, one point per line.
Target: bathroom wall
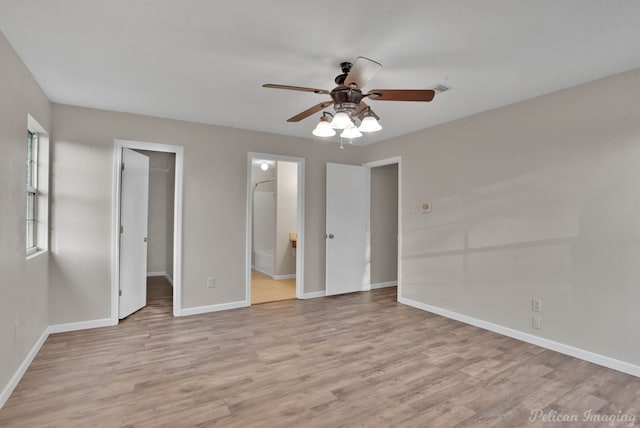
286	217
264	218
264	215
258	175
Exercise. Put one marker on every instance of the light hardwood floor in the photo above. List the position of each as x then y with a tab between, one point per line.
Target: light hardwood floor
266	289
358	360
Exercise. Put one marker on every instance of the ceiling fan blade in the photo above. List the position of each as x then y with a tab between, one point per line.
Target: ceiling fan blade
295	88
362	109
308	112
362	71
401	94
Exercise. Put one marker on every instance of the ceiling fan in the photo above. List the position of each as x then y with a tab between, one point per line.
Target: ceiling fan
348	100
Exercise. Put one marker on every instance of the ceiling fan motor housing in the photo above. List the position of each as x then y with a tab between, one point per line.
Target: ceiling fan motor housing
346	98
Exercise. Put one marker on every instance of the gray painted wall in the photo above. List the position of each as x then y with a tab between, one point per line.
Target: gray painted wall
215	186
24	284
384	224
169	230
539	199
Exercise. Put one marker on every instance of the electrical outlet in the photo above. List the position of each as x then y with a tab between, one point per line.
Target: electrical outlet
536	305
536	322
211	282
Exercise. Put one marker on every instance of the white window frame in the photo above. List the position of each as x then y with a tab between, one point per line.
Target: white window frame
40	188
32	236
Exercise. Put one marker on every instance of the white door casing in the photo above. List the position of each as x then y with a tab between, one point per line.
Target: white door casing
134	202
347	230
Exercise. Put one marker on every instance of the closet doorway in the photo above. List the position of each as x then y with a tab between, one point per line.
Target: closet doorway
162	174
164	170
274	228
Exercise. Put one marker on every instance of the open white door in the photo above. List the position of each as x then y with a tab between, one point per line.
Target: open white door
134	200
347	240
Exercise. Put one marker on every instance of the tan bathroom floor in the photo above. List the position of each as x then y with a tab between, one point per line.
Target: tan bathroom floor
265	289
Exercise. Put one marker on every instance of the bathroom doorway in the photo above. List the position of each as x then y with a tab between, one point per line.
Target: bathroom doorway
274	225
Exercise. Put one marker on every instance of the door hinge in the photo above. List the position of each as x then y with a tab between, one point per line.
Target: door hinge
122	166
121	228
119	292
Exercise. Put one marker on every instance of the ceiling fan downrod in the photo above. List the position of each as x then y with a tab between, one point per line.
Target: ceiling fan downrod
346	68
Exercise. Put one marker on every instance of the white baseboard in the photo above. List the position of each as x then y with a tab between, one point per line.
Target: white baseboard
582	354
57	328
281	277
261	271
213	308
314	294
384	284
22	369
82	325
369	287
165	274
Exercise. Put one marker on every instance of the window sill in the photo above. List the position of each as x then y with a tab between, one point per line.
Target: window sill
35	254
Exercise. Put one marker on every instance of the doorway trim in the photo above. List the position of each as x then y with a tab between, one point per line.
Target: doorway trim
383	162
118	145
300	220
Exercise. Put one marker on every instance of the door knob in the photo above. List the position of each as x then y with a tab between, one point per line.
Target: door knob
330	236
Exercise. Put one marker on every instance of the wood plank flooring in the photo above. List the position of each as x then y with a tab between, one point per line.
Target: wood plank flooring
358	360
266	289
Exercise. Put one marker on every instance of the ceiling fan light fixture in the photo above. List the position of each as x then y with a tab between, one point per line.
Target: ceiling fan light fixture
370	124
341	120
351	132
324	129
348	102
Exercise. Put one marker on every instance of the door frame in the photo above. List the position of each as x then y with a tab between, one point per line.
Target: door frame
300	220
383	162
118	145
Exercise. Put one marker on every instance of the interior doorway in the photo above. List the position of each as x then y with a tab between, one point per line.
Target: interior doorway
162	235
275	224
160	208
385	223
384	226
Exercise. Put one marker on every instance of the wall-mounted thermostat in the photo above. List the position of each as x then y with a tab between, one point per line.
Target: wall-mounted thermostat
425	207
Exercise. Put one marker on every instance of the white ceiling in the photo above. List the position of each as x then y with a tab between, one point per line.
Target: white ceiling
205	61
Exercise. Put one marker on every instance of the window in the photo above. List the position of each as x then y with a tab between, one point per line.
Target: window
37	186
32	192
